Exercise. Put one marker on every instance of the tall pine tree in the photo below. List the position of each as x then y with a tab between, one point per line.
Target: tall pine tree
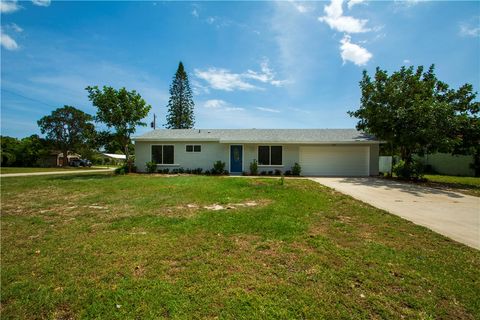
180	105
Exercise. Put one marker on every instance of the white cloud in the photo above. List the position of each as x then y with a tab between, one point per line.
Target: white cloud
7	42
9	6
218	104
267	109
41	3
470	28
336	20
195	13
406	61
15	27
353	52
300	7
352	3
223	79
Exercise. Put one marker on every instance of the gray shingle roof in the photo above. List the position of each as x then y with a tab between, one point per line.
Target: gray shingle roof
259	135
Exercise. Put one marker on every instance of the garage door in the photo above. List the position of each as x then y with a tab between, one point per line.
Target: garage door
335	160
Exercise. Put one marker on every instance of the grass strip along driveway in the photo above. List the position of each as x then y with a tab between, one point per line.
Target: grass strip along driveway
145	246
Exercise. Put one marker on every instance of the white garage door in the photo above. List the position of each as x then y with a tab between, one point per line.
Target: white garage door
335	160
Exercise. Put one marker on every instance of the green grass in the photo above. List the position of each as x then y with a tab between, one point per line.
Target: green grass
468	185
123	247
5	170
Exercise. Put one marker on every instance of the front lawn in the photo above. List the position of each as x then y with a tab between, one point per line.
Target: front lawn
139	246
5	170
467	185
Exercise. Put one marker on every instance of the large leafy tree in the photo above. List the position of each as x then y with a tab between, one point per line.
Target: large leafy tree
466	129
413	111
119	109
180	105
67	128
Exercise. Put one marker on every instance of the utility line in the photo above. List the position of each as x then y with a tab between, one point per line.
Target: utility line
28	98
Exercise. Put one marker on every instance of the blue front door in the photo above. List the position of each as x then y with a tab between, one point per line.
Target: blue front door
236	158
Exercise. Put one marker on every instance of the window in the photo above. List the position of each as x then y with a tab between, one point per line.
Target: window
193	148
162	154
270	155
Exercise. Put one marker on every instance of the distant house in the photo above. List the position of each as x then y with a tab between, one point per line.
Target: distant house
320	152
55	159
113	158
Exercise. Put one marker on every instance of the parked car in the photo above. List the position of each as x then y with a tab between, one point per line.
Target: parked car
80	163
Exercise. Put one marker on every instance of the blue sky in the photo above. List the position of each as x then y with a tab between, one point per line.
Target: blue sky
251	64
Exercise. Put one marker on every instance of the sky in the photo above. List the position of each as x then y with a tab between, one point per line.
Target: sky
250	64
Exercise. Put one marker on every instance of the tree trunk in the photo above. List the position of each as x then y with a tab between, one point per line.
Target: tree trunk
65	158
476	162
127	156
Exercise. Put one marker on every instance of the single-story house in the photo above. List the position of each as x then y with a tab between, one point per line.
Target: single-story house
55	159
320	152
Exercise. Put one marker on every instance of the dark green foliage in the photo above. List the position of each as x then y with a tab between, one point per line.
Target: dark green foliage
413	170
415	113
151	167
254	168
218	168
68	128
24	152
288	173
467	124
278	172
270	173
263	173
121	170
296	169
121	110
180	105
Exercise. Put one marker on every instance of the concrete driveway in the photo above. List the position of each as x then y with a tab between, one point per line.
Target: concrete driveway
452	214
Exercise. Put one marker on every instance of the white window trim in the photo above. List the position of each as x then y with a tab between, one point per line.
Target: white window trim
163	164
193	146
270	156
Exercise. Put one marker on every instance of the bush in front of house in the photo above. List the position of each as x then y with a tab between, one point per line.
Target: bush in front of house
278	172
218	168
296	169
254	168
411	171
151	167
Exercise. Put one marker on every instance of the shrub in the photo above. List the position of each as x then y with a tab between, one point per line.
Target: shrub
278	172
270	173
263	173
151	167
218	168
225	172
121	170
197	171
207	172
188	171
288	173
282	181
296	169
412	171
254	168
164	171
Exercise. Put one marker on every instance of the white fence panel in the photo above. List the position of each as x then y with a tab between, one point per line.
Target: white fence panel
385	164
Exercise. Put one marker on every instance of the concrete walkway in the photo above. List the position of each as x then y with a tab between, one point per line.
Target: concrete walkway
28	174
451	214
